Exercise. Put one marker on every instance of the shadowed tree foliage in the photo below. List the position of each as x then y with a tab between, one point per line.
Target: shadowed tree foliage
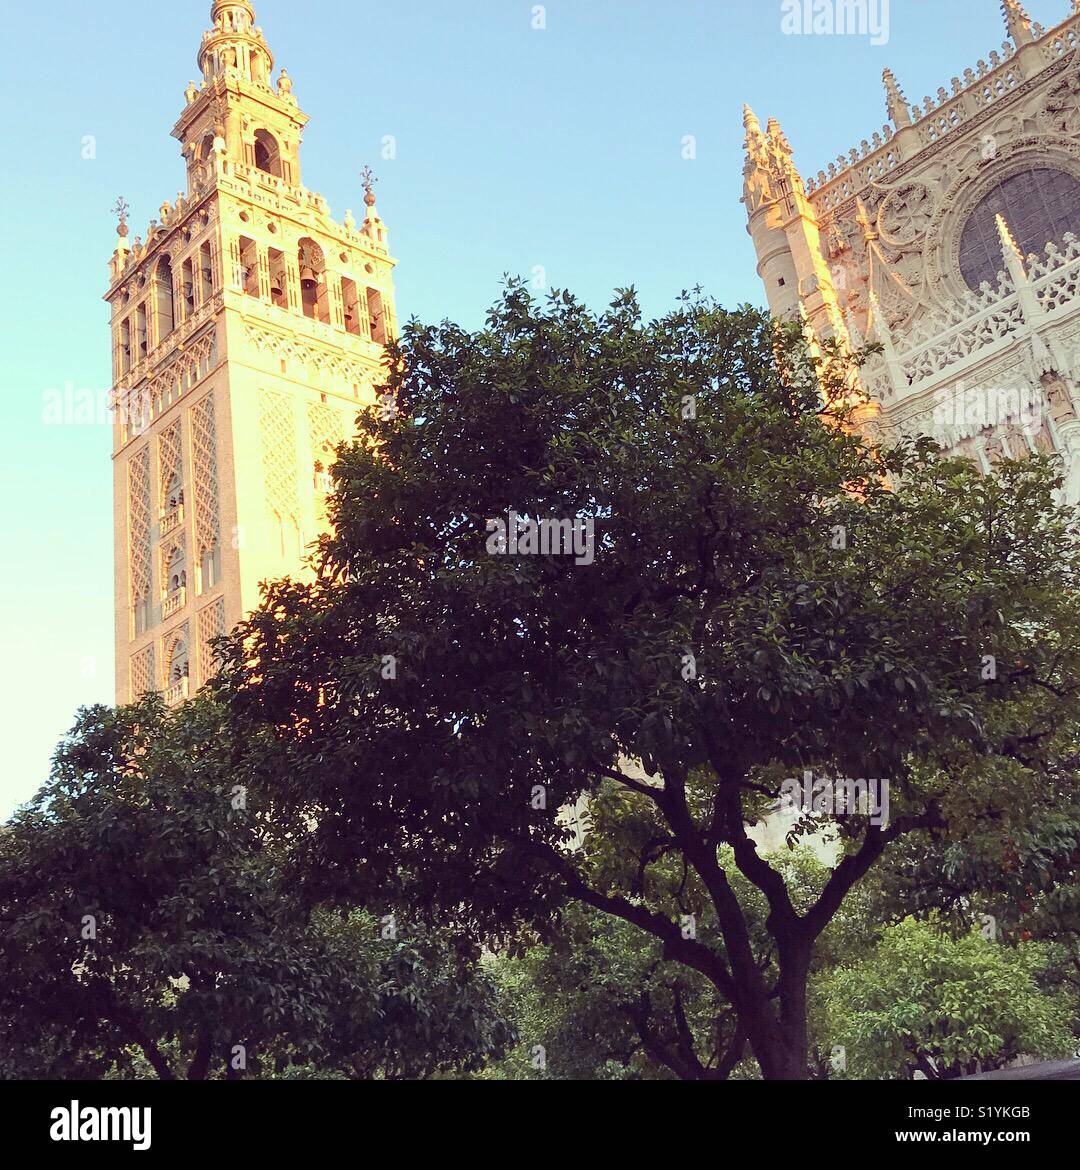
146	929
768	594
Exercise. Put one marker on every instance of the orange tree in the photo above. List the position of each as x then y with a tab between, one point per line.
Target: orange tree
764	594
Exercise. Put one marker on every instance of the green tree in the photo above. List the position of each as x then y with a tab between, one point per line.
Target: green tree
767	593
928	1001
146	929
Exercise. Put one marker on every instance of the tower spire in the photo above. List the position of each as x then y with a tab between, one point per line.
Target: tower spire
895	102
234	45
1017	22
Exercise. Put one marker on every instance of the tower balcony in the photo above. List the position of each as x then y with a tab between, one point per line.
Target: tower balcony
171	521
174	602
177	692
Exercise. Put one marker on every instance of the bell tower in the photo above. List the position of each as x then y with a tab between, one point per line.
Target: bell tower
248	331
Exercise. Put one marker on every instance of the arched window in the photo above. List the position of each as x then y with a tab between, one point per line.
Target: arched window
350	302
1039	205
249	266
187	291
313	293
174	495
164	310
206	272
267	153
178	660
278	278
209	569
177	571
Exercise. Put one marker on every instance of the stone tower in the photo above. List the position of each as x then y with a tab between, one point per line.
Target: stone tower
248	331
950	239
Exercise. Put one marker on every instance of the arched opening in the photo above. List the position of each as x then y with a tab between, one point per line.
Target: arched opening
179	668
174	493
125	345
267	153
249	266
206	272
313	294
377	316
141	331
278	278
209	568
164	309
176	572
187	290
350	301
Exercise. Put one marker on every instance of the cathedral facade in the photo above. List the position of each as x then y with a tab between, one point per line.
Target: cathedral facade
951	240
248	330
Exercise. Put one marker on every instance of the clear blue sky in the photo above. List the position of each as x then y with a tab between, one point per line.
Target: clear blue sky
516	148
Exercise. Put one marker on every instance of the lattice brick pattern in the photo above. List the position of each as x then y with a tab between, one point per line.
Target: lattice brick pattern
169	460
142	677
325	425
204	460
211	625
278	431
139	524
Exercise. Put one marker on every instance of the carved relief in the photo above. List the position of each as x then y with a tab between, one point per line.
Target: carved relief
906	214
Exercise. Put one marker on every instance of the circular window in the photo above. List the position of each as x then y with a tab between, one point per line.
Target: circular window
1040	206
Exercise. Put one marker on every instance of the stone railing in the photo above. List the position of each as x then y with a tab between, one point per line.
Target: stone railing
173	603
177	692
944	343
978	89
171	521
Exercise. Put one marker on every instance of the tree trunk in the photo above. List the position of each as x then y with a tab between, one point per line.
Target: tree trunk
779	1040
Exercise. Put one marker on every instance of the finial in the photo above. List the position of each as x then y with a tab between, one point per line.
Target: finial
120	209
895	102
369	179
192	92
1009	246
350	221
750	119
284	85
1017	22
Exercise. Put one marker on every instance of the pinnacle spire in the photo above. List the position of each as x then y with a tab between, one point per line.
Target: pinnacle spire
750	119
1009	248
1017	22
895	102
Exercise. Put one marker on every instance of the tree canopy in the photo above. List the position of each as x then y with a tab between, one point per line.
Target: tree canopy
769	594
147	929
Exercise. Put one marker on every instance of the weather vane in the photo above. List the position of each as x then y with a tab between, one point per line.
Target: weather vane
368	175
120	210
